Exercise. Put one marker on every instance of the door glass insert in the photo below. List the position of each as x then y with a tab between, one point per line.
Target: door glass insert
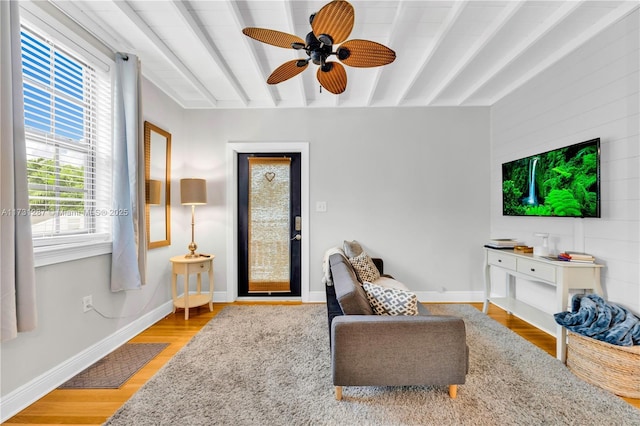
269	224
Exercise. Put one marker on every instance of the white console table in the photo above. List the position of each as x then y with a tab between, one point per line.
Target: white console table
564	276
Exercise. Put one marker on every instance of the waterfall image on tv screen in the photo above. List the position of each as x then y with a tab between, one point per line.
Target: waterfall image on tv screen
562	182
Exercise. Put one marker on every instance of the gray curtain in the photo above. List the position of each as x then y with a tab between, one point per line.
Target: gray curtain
17	274
129	254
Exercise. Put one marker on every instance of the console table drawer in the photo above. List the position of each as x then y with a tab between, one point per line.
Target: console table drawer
537	270
502	260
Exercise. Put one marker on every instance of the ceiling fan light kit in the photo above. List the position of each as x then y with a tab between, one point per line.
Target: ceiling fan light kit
330	27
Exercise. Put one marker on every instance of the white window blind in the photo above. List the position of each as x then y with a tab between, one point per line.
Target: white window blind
68	134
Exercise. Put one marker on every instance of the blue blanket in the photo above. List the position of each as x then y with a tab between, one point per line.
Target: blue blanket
591	316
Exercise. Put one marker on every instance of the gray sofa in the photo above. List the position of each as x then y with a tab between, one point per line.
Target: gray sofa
379	350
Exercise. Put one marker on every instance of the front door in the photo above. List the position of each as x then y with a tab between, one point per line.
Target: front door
269	224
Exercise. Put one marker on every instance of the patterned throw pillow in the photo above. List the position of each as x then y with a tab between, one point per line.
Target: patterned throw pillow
365	268
391	301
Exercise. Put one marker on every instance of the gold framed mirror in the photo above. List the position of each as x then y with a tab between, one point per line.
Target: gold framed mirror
157	159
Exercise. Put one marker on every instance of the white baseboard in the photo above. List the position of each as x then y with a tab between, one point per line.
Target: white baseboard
450	296
30	392
220	296
317	296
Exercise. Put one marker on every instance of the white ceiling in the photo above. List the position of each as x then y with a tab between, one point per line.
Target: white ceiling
449	53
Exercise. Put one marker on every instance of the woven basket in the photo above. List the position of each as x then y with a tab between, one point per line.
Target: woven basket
611	367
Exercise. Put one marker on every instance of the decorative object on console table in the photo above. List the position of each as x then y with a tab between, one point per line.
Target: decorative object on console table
523	249
193	192
542	250
186	266
502	243
576	257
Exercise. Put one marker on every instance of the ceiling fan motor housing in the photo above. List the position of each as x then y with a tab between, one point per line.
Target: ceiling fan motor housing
318	51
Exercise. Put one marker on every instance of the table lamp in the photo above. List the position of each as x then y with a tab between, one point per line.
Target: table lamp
193	192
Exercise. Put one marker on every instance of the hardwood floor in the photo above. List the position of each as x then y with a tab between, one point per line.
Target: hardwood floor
91	406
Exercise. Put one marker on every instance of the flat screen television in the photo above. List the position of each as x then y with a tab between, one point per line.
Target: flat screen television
563	182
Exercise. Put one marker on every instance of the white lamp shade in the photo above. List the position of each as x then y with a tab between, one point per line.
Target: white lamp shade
193	192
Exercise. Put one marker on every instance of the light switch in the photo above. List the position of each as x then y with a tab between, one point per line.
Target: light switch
321	206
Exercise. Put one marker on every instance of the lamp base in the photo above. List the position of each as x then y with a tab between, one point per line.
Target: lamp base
192	251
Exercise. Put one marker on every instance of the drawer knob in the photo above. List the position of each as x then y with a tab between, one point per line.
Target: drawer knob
202	265
533	269
499	260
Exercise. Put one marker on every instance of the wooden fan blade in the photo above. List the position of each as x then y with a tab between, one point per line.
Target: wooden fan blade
334	19
273	37
334	80
286	71
365	53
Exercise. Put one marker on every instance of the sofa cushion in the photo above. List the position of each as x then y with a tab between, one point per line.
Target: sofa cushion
348	290
365	269
390	301
352	248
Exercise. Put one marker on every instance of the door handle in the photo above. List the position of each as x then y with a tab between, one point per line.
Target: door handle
296	237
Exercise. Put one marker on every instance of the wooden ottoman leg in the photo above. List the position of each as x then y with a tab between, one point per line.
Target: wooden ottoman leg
453	391
339	393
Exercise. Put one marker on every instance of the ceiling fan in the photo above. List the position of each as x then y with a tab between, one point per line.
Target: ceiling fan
330	26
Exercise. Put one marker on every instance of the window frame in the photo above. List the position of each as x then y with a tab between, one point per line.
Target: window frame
63	248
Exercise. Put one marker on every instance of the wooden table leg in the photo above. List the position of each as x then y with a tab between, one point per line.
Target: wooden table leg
174	291
186	296
211	287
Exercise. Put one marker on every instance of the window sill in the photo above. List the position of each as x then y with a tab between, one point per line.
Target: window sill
50	255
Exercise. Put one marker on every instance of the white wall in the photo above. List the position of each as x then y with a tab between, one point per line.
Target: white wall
64	331
591	93
410	184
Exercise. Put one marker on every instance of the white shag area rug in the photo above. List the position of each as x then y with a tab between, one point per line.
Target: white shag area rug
270	365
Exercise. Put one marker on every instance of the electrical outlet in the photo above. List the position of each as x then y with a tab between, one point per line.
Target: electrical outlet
321	206
87	303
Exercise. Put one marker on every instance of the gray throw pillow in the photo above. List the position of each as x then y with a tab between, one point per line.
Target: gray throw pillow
352	248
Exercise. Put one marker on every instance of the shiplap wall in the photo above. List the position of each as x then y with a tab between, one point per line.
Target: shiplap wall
591	93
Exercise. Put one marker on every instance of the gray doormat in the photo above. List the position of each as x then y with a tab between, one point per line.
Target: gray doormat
115	369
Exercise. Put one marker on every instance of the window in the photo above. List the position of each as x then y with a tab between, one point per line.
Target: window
68	137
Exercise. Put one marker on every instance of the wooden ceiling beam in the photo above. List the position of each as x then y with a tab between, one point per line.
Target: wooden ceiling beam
261	72
196	28
292	30
448	23
611	18
501	20
549	24
390	40
166	51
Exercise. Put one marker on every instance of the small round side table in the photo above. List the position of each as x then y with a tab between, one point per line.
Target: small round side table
187	266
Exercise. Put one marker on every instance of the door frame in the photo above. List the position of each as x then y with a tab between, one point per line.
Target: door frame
233	149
